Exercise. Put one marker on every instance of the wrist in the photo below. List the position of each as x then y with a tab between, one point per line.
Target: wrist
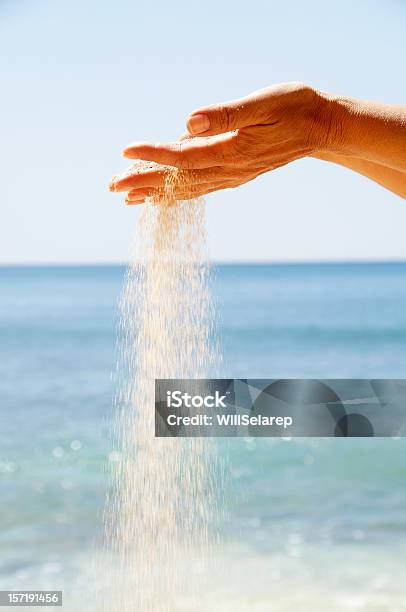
353	127
335	119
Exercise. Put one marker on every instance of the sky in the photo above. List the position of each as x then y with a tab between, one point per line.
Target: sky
80	80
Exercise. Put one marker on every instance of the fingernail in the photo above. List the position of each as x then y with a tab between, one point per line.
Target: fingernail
197	124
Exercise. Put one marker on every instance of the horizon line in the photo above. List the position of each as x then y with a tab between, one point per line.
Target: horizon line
242	262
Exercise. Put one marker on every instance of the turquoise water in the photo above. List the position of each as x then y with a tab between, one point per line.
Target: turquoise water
312	524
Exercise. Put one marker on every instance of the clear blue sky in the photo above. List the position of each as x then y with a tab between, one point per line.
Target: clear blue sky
81	79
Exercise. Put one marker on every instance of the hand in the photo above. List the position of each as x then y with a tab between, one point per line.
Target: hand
233	143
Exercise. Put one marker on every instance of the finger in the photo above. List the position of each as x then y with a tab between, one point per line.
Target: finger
193	153
158	177
143	176
134	194
184	191
159	198
243	112
179	194
134	201
140	177
189	181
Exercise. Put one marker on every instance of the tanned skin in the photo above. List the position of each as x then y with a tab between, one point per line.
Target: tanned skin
234	142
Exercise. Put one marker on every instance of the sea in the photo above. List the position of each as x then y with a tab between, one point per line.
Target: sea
309	524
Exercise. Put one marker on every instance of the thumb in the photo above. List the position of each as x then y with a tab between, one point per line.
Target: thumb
228	116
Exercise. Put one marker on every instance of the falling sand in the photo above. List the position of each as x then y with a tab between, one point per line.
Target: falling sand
162	500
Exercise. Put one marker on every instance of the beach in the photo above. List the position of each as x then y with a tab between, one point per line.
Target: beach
310	524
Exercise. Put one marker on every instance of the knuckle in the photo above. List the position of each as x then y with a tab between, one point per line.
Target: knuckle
224	118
